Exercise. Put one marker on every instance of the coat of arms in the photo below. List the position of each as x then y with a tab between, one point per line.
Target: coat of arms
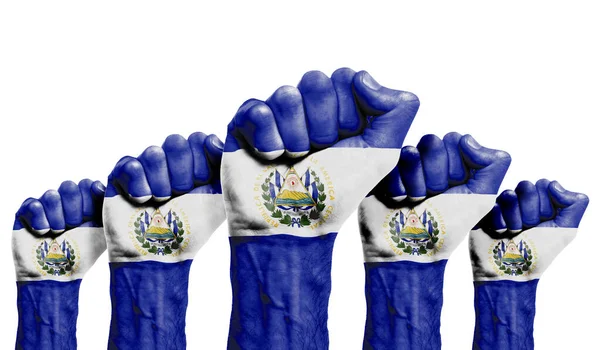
414	234
159	234
294	199
54	258
511	258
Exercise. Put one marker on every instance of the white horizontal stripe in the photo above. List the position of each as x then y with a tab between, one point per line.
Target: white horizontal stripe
201	214
545	242
87	242
347	174
455	214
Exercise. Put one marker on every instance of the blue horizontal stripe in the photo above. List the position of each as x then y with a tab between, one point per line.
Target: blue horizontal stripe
281	286
504	314
149	303
47	314
404	303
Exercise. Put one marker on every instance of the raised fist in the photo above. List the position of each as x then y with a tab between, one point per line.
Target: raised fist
410	225
510	249
56	239
160	209
525	231
295	167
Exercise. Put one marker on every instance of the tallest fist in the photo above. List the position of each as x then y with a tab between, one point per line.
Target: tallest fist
294	168
347	110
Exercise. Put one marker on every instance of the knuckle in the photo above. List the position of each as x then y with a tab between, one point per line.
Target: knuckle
430	140
542	182
174	141
452	137
286	97
343	72
34	206
502	157
583	198
132	167
507	196
409	97
85	184
409	153
152	154
68	187
197	138
50	195
258	113
525	185
315	81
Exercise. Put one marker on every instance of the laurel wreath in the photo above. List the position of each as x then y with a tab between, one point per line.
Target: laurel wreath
152	248
407	249
47	269
305	220
509	271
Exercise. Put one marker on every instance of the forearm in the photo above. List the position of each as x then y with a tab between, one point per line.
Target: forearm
504	312
281	286
404	302
47	314
149	302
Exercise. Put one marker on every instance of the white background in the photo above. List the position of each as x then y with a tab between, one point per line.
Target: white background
82	84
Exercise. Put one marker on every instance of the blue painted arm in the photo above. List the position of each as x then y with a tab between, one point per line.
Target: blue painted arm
504	314
281	280
48	308
149	302
281	286
47	314
149	292
404	303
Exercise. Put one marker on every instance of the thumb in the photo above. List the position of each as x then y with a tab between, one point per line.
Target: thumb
393	111
572	205
489	165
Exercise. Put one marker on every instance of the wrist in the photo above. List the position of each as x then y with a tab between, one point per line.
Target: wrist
149	302
404	302
47	314
281	286
504	314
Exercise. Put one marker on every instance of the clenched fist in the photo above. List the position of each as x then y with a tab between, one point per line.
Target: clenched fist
411	224
56	239
510	249
295	167
161	208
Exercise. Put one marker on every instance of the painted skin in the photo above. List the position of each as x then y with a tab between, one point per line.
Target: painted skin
281	279
543	212
149	284
404	286
48	299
